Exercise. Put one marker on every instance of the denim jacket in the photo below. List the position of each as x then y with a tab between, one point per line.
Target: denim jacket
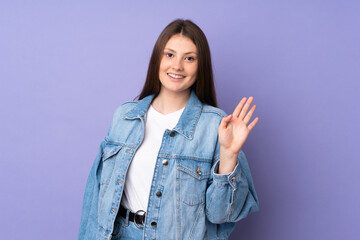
196	202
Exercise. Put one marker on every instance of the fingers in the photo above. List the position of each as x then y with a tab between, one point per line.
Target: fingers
253	123
225	121
249	114
239	107
241	112
245	108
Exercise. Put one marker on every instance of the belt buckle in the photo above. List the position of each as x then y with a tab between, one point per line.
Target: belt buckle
136	224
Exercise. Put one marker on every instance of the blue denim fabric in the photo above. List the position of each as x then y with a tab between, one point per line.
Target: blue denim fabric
126	230
196	201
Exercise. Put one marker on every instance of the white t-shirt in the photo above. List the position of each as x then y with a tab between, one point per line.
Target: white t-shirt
141	170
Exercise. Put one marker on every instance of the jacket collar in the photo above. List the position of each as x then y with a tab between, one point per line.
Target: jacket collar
188	119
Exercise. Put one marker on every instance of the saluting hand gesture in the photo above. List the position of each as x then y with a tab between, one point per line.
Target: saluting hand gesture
234	129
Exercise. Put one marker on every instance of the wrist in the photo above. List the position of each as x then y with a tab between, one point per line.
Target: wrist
228	161
228	154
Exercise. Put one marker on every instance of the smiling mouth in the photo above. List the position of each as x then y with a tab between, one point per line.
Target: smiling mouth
175	75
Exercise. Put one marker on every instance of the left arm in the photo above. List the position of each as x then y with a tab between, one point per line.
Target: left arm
231	194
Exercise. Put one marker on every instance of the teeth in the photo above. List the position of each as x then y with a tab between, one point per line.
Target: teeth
175	76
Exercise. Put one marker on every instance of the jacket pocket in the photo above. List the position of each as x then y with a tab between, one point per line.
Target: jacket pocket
108	162
192	179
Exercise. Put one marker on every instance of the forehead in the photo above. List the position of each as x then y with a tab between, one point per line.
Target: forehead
181	43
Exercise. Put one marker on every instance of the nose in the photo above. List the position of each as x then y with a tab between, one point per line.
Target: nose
178	64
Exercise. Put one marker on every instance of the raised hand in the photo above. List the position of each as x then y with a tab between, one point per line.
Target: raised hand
235	128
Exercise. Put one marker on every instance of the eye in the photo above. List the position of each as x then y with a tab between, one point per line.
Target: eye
170	55
190	59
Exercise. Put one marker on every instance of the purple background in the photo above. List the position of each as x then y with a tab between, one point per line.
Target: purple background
65	66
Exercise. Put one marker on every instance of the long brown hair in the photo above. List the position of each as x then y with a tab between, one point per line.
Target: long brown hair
204	85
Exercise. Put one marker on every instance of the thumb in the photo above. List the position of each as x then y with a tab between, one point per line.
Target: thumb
225	121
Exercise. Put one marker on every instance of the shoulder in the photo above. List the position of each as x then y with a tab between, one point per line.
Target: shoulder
124	107
121	110
211	116
213	111
119	113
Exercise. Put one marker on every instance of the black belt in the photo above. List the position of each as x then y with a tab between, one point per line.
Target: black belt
133	217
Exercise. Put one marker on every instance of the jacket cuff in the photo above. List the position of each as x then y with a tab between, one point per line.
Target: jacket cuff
233	178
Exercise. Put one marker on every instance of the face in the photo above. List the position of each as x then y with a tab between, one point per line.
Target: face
178	65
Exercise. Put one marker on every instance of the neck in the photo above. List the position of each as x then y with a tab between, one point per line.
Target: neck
167	102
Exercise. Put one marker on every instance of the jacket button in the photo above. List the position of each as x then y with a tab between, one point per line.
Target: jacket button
233	178
165	162
198	171
172	134
153	224
158	193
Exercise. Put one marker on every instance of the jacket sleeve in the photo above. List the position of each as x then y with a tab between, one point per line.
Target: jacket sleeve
230	197
89	215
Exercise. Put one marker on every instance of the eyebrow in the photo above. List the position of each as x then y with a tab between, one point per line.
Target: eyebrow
175	51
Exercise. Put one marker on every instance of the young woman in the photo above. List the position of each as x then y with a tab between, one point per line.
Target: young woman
171	165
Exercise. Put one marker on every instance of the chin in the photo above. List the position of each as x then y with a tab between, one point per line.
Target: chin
177	90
